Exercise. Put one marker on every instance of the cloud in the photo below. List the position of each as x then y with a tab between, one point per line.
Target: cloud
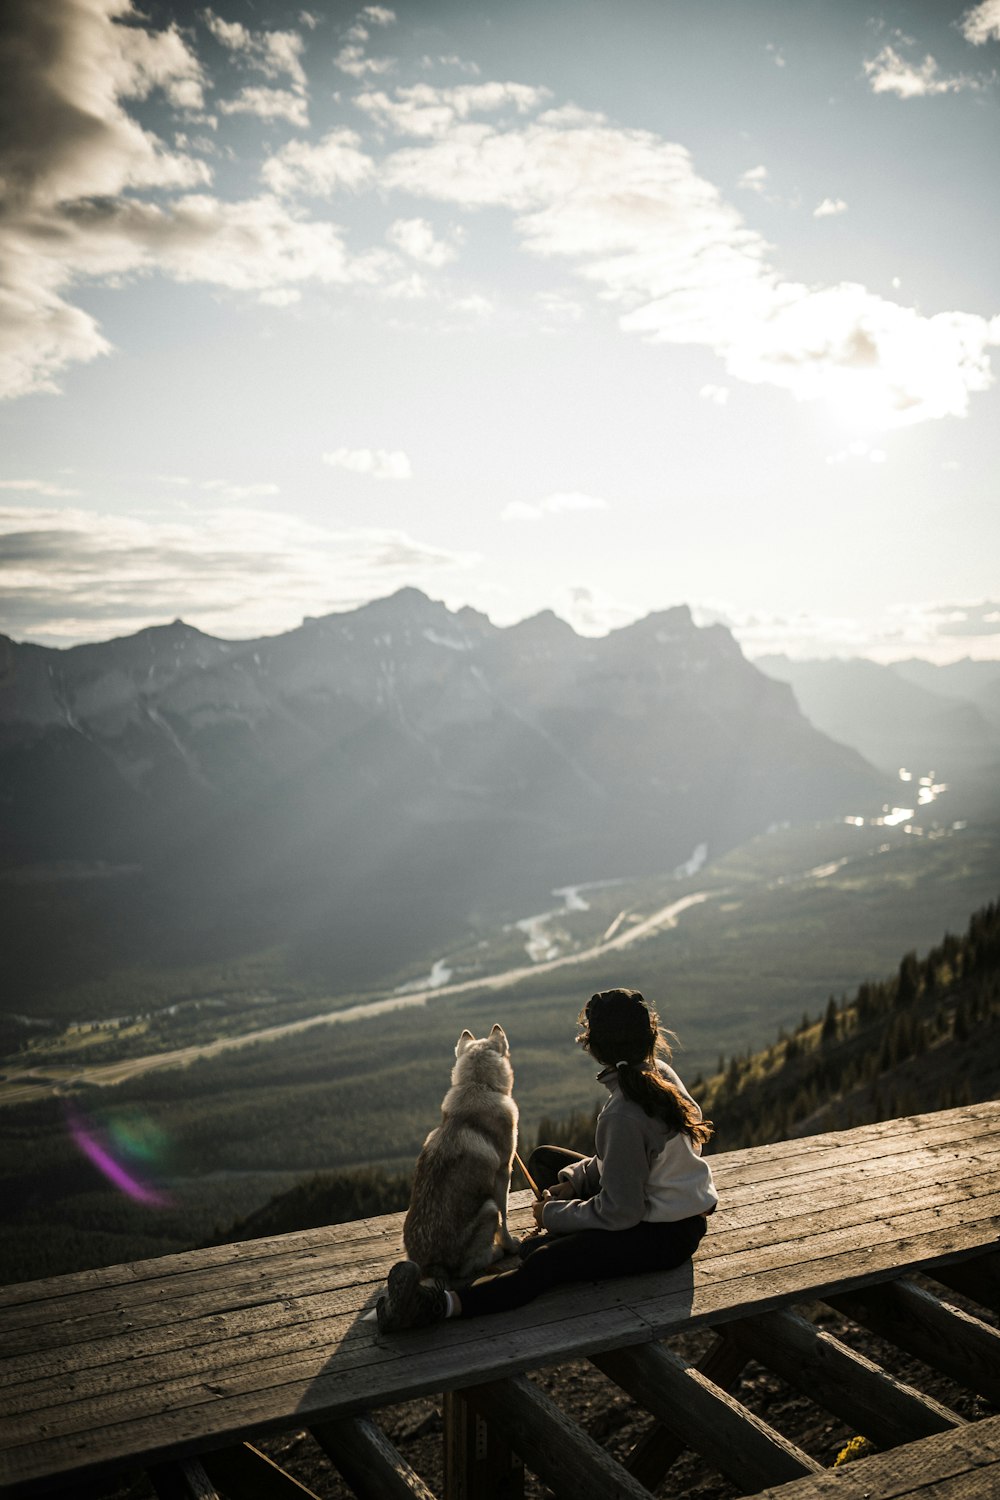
594	612
982	619
38	487
877	364
717	393
754	179
562	502
93	196
422	110
889	73
66	67
336	161
351	58
416	238
629	209
777	56
858	450
249	245
982	23
70	574
935	631
274	53
378	463
829	207
268	104
224	487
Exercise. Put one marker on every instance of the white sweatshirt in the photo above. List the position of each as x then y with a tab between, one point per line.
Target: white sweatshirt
641	1169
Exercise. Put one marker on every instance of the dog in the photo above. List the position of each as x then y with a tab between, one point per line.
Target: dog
456	1224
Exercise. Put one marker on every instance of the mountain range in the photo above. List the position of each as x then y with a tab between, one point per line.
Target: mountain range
940	719
361	786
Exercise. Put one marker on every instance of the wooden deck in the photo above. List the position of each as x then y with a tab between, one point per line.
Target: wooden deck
171	1364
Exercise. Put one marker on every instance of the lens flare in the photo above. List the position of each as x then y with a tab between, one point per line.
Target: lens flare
133	1137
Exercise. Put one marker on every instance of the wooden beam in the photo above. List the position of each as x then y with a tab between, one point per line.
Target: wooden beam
945	1338
854	1388
660	1447
244	1471
738	1443
963	1465
479	1464
977	1279
562	1455
185	1479
368	1461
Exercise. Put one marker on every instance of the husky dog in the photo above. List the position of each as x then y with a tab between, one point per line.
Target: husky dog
456	1224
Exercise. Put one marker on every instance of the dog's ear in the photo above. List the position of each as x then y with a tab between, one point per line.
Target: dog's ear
464	1042
498	1040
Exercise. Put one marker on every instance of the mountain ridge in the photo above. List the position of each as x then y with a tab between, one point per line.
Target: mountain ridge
374	776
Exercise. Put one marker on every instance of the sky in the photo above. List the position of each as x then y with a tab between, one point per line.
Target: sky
597	306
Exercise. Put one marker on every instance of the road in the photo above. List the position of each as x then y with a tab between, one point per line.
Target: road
21	1086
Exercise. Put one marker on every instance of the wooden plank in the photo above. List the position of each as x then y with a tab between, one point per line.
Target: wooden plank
207	1338
373	1468
104	1281
659	1448
804	1190
947	1339
959	1465
837	1209
478	1463
971	1221
978	1279
734	1440
762	1165
743	1188
553	1446
162	1299
185	1480
854	1388
244	1471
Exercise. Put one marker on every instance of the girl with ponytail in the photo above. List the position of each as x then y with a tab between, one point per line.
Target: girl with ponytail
640	1203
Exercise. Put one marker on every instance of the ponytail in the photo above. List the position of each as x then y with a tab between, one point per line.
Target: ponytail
663	1100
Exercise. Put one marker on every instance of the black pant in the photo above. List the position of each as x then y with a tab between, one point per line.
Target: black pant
588	1255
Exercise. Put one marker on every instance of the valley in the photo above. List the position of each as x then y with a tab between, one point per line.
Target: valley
744	947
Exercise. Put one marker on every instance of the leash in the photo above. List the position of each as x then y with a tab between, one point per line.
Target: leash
527	1176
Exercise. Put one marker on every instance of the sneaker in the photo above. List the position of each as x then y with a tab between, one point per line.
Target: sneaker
532	1241
408	1304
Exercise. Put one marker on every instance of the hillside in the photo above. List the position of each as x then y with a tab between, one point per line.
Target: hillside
926	1038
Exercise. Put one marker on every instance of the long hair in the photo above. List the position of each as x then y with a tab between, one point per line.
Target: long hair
622	1030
